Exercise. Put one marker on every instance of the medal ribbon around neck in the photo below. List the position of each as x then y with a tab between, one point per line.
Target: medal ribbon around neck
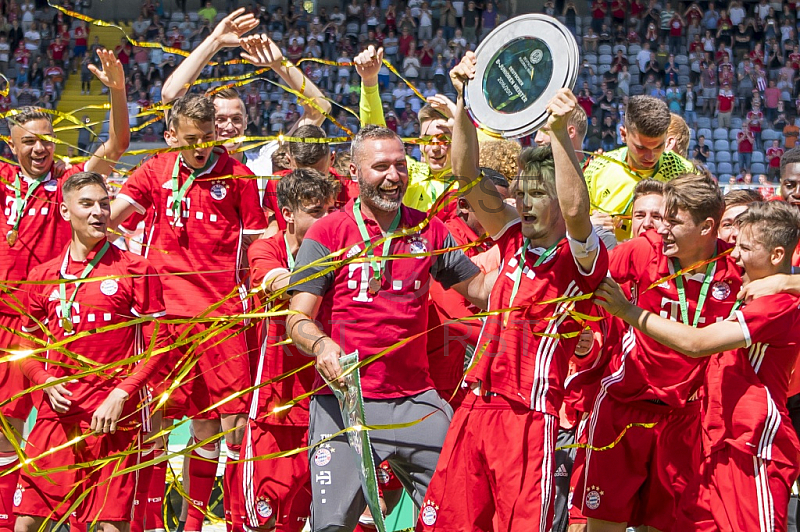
18	209
179	193
377	266
66	304
709	276
521	266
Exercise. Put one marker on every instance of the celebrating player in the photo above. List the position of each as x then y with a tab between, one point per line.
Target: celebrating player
750	449
203	216
97	407
640	480
277	492
33	232
550	252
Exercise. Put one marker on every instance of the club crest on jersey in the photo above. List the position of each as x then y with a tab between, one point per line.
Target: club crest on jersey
429	513
18	496
720	290
383	475
218	191
593	497
51	185
418	245
263	508
322	457
109	287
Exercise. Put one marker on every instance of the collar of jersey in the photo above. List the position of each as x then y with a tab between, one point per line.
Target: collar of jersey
697	277
207	170
44	179
369	221
89	256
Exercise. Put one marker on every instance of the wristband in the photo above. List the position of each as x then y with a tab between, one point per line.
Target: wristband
314	345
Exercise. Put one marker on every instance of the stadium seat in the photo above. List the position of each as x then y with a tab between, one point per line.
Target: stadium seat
604	59
758	168
620	47
681	59
721	145
720	133
734	146
704	122
591	59
723	178
725	168
758	157
703	131
633	70
770	134
683	80
711	157
637	90
692	134
736	123
734	133
602	68
683	70
723	157
634	49
711	167
604	49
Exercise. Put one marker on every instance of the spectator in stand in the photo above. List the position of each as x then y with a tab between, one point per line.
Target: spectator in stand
676	25
599	10
701	150
746	143
790	134
594	135
489	18
725	103
754	118
471	21
772	96
209	12
609	134
708	82
774	154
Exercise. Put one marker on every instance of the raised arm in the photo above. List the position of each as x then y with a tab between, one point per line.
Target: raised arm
573	196
491	211
368	65
225	35
263	52
693	342
119	134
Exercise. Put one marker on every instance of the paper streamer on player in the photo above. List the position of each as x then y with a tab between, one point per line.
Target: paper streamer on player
351	404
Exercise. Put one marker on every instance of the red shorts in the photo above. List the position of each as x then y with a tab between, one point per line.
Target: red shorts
640	480
737	491
275	488
222	369
51	496
12	381
481	485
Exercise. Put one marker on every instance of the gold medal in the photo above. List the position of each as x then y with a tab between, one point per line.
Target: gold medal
11	237
374	286
66	324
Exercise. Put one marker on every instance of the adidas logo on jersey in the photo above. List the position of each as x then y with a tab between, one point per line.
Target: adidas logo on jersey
562	471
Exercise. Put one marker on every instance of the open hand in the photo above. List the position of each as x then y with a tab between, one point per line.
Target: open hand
112	75
261	51
230	29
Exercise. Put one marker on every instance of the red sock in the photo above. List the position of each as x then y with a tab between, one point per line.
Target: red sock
232	489
202	472
8	487
155	496
142	487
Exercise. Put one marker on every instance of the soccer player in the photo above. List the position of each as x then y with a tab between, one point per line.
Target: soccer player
736	202
367	307
640	480
648	206
277	492
612	176
311	155
203	219
33	232
750	449
550	251
98	407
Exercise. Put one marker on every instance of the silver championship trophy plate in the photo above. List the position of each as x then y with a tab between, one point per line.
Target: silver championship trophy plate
521	65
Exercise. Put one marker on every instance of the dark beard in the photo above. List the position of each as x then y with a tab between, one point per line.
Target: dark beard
370	194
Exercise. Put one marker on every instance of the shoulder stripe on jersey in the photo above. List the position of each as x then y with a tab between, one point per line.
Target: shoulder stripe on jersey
505	228
136	205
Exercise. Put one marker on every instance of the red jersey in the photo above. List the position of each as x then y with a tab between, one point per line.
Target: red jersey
754	118
774	157
520	363
133	290
265	257
647	370
447	342
57	51
347	192
217	212
725	102
373	323
745	403
745	142
794	60
41	232
80	36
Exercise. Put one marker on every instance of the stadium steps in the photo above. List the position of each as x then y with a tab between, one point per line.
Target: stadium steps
73	102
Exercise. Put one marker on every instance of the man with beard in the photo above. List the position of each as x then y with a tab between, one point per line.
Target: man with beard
369	305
